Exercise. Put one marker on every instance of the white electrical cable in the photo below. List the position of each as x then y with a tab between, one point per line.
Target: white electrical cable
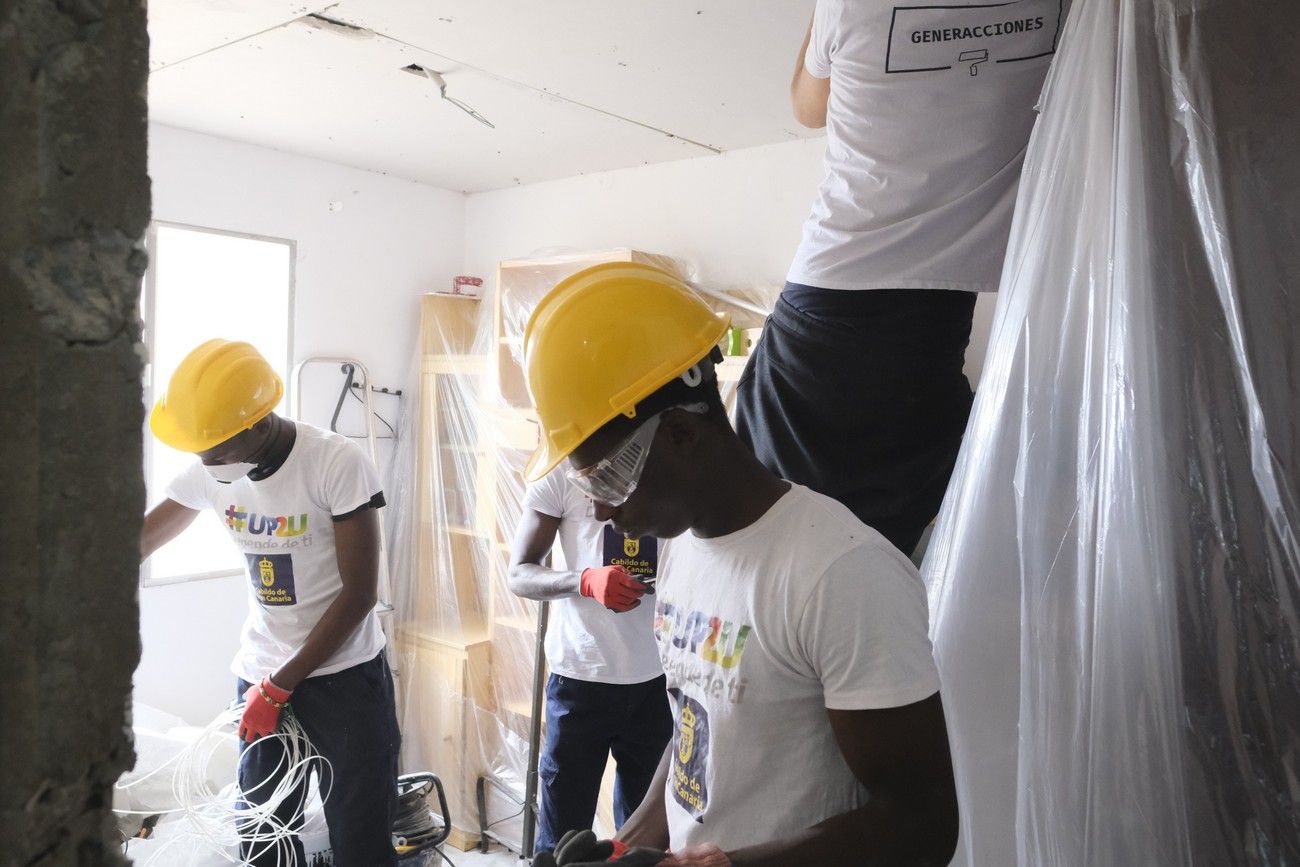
441	83
224	823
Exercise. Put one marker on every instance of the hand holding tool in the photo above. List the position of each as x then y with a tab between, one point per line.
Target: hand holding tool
582	849
613	587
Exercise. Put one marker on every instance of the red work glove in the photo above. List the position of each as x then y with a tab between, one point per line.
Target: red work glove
613	587
262	705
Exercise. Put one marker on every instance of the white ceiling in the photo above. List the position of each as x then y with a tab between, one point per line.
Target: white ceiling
572	86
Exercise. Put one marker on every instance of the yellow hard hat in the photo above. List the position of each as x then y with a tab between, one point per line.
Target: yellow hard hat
600	342
222	388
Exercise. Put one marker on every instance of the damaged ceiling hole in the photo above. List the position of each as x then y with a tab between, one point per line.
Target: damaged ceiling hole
436	78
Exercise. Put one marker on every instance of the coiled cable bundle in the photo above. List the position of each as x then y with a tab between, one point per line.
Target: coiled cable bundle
222	823
416	828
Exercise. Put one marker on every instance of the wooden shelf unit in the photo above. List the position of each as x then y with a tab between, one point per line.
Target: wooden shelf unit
446	633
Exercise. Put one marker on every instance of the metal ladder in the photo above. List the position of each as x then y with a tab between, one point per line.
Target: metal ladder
528	806
385	603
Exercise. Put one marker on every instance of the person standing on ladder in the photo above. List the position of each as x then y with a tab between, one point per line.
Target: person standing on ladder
606	692
856	387
301	504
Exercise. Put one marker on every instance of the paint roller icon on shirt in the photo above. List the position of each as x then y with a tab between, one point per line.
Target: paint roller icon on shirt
975	58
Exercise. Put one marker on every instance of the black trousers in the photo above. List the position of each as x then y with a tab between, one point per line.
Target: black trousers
351	719
861	397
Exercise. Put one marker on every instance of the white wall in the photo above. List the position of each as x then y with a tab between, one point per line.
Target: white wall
359	270
359	273
735	218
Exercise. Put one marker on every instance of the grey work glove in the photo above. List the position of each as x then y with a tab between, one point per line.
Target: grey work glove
582	849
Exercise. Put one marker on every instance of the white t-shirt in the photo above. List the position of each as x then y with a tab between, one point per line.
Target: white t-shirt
760	632
584	639
284	525
929	115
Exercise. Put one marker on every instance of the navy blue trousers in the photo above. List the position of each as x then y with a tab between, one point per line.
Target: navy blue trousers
586	722
351	719
861	397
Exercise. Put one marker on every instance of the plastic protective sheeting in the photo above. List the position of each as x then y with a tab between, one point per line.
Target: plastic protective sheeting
464	645
446	565
1115	576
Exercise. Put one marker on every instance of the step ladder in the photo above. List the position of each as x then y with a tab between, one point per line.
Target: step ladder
384	606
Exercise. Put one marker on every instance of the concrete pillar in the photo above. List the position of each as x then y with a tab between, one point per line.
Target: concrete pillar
74	205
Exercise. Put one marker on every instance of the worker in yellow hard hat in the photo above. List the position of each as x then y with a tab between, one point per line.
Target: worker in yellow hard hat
605	692
301	504
809	728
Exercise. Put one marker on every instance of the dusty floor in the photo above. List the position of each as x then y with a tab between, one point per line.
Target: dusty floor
497	857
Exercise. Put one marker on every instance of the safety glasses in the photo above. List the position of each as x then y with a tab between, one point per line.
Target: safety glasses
613	478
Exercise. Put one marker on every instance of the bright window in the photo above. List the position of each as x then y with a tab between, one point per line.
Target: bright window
203	284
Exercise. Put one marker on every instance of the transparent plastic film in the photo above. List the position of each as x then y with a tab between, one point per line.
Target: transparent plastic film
465	645
444	553
1115	574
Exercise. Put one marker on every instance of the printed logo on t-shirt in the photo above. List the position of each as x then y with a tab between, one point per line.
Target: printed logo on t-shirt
640	557
691	756
931	38
702	650
281	531
272	577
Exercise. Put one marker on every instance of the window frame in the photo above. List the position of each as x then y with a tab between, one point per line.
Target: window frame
148	306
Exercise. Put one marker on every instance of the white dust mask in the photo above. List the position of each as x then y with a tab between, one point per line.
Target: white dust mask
227	473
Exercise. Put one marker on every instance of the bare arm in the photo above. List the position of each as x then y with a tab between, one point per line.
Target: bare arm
901	755
648	825
356	544
164	522
527	576
808	93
